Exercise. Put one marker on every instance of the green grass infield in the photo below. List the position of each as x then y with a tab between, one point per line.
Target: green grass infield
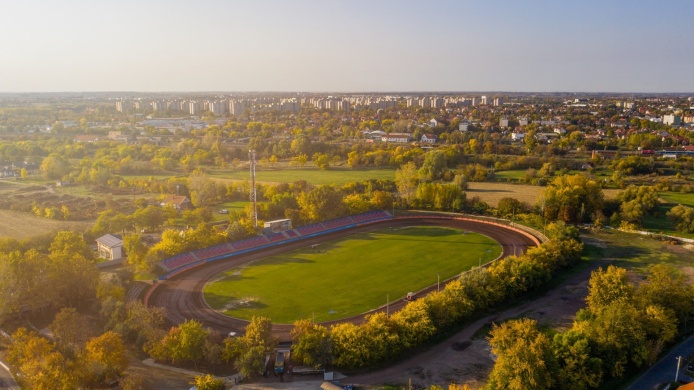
350	276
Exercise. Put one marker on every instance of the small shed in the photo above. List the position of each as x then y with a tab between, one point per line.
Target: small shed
110	247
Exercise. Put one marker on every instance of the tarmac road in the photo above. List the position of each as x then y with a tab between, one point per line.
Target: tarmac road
7	381
183	299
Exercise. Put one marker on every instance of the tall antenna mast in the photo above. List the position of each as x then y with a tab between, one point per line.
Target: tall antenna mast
251	158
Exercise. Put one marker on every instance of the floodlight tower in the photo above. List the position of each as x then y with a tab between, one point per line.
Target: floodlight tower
251	158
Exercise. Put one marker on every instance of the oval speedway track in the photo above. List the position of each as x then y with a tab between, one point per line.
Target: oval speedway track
183	298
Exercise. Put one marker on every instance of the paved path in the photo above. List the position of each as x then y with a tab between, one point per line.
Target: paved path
664	370
7	381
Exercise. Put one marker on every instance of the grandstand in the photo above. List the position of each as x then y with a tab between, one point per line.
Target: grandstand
249	243
340	222
371	216
310	229
213	251
276	237
179	263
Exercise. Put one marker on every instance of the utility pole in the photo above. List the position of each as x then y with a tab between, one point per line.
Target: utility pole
387	304
251	158
679	362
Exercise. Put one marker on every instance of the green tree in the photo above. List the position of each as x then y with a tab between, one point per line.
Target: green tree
682	217
524	358
322	161
311	344
570	198
607	287
55	166
578	368
322	203
434	165
407	180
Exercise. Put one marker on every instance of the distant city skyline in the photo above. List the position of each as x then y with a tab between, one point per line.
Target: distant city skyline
347	46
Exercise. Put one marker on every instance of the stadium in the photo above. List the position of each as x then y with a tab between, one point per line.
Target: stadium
181	289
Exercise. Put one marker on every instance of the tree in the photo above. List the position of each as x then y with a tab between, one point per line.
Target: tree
311	344
248	352
570	198
55	166
578	368
322	161
67	327
68	243
322	203
38	365
524	358
668	287
434	165
105	356
682	217
607	287
407	180
208	382
202	188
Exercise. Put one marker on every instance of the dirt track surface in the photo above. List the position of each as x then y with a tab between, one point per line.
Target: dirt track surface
183	299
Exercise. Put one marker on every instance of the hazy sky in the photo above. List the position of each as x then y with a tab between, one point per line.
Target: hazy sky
355	45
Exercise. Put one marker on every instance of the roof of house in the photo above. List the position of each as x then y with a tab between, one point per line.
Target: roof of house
175	200
110	241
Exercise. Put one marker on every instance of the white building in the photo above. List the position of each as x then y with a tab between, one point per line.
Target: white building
110	247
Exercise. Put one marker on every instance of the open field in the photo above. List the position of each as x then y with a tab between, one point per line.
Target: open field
312	175
493	192
347	277
659	223
18	225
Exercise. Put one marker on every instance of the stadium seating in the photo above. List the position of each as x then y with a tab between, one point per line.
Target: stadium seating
337	223
249	243
213	251
370	216
276	237
179	263
310	229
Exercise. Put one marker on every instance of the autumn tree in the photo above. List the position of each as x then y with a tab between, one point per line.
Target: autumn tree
322	203
572	198
524	358
248	352
311	344
105	357
208	382
682	217
407	180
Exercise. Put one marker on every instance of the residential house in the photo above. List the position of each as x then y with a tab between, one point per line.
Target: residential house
429	138
177	202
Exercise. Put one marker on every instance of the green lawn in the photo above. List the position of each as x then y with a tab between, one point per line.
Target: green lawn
349	276
636	252
659	223
230	206
312	175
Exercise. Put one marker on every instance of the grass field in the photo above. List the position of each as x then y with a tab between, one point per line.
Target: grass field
312	175
14	224
491	193
659	223
349	276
